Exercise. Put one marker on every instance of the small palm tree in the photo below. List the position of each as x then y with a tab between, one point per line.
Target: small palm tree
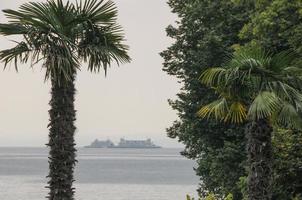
260	89
60	36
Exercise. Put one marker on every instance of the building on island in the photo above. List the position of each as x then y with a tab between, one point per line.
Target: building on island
101	144
136	144
123	144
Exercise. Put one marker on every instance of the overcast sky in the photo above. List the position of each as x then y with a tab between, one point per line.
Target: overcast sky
130	102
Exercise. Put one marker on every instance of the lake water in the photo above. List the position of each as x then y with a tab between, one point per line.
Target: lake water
101	174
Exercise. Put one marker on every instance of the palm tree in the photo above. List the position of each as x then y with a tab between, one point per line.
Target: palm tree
61	36
261	90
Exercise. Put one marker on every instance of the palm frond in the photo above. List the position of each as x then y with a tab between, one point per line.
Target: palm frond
97	11
286	93
19	53
219	109
60	61
100	46
284	62
264	105
288	116
30	15
292	70
49	16
13	29
249	59
212	76
237	113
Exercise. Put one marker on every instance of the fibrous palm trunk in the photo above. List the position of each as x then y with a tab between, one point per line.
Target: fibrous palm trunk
61	141
259	149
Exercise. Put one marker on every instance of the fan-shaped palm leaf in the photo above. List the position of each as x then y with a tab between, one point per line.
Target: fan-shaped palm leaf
218	108
212	76
288	116
98	11
249	59
237	113
264	105
20	53
283	62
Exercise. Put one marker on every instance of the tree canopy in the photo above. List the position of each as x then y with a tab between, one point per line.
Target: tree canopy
203	37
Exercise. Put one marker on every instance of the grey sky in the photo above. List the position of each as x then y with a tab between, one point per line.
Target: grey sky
130	102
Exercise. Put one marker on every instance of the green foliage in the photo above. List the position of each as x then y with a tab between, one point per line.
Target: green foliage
206	32
229	197
203	37
287	164
275	25
242	184
211	196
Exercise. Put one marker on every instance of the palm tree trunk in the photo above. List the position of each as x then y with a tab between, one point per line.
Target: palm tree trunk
61	141
259	149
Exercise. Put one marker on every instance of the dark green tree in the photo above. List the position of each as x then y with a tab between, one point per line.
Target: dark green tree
275	25
60	36
203	36
264	90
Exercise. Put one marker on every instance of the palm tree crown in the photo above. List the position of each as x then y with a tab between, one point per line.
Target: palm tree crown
61	35
256	85
262	89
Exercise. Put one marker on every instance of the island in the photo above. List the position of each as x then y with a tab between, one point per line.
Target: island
138	144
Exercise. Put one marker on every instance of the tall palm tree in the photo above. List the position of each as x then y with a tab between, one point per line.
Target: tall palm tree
262	90
60	36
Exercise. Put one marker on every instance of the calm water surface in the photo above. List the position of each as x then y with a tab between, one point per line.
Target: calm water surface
101	174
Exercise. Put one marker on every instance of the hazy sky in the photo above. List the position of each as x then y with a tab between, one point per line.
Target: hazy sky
130	102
